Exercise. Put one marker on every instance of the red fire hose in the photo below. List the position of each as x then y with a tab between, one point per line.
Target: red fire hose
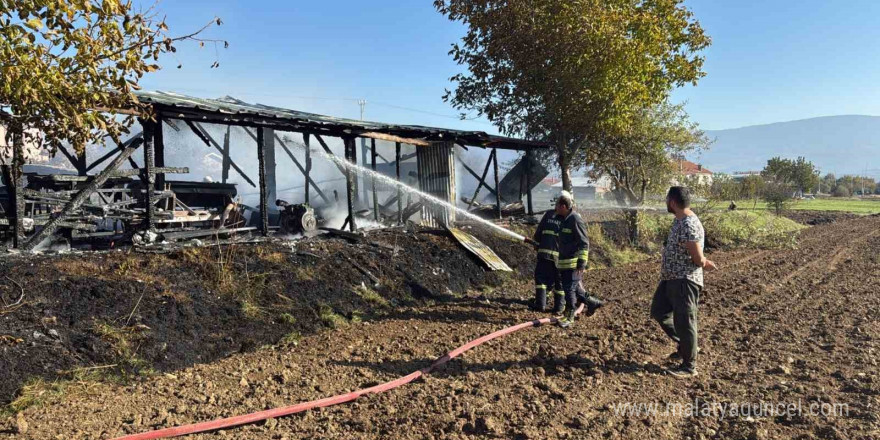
334	400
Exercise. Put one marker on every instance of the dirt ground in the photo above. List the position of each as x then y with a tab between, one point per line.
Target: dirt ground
793	326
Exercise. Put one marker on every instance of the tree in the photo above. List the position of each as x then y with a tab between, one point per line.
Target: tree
778	196
829	183
804	175
799	173
564	71
637	157
752	187
66	64
778	170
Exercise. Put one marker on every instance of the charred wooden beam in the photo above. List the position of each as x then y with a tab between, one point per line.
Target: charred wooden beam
159	155
481	181
308	171
264	193
497	193
529	209
225	154
103	158
209	141
70	158
328	151
16	195
155	171
149	177
373	180
81	197
399	189
351	189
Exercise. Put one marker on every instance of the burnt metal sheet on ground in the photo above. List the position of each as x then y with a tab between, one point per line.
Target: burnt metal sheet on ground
483	252
514	186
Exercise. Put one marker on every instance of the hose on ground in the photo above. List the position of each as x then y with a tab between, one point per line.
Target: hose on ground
334	400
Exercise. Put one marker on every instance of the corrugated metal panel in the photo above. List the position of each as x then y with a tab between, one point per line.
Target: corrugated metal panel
483	252
436	165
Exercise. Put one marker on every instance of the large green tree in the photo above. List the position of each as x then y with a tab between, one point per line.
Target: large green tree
637	157
800	173
565	71
65	64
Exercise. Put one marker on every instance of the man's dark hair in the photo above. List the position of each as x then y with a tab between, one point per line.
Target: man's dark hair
681	195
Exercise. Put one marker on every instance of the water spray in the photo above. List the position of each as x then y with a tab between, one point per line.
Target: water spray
357	169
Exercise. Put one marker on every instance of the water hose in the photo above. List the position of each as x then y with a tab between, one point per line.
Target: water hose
334	400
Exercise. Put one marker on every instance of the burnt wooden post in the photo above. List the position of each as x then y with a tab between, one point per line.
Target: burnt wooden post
159	154
399	190
373	180
529	209
264	193
308	165
17	196
351	189
225	151
82	166
149	177
497	190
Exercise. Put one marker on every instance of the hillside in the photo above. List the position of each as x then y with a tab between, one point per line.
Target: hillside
844	144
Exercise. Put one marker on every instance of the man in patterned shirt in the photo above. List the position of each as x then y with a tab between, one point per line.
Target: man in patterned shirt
675	300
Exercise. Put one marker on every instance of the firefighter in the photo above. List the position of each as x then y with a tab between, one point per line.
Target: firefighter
546	275
573	249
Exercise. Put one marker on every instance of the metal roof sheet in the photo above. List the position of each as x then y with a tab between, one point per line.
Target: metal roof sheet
235	107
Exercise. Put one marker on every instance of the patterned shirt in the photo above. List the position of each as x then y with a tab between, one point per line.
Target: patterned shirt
677	263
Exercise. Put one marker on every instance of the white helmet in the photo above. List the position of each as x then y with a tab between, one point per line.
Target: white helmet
563	195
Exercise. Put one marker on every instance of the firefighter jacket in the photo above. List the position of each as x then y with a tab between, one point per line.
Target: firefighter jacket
573	244
546	236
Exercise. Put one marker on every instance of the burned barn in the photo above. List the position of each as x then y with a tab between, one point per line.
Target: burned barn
218	167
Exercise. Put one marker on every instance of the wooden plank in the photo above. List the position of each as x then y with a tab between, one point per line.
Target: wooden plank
480	250
393	138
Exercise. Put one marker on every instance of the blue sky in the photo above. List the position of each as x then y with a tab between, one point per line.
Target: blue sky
770	60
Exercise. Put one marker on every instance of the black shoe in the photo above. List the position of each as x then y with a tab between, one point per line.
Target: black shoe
677	357
567	320
593	304
682	372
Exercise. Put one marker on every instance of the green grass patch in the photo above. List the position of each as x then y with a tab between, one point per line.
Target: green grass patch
330	318
604	250
371	296
727	229
856	206
759	229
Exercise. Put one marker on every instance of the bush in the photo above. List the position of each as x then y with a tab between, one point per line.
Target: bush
726	229
731	229
778	197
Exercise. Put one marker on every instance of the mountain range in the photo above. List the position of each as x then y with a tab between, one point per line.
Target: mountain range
845	144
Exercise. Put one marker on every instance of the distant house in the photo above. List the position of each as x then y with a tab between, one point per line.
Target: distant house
687	170
585	188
